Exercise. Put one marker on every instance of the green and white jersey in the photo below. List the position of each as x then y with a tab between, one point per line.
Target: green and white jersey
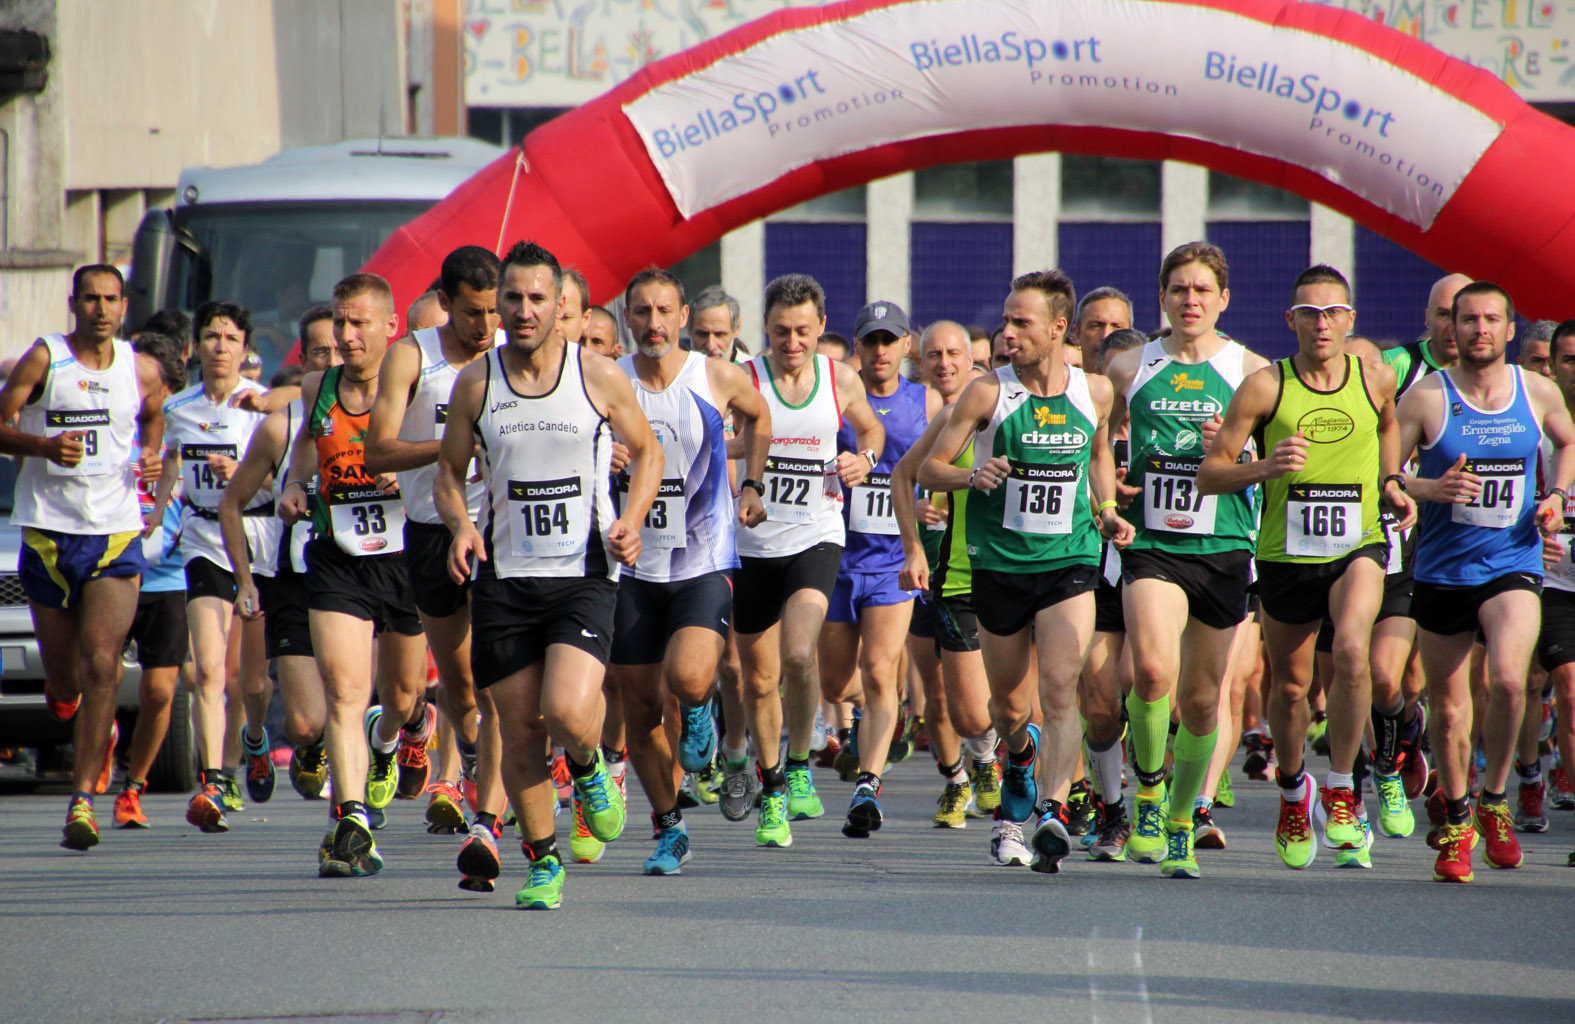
1038	519
1169	401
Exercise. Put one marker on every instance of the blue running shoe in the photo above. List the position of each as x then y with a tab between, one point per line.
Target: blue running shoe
1019	791
864	814
696	737
671	853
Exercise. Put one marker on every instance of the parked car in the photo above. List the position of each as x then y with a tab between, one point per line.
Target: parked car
23	720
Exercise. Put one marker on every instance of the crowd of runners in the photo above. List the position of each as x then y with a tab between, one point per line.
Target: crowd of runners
1064	557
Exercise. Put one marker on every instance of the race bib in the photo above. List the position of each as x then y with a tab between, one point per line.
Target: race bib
94	427
795	490
1171	500
549	517
664	525
366	521
1323	520
203	486
1040	498
872	511
1394	560
1502	497
1564	568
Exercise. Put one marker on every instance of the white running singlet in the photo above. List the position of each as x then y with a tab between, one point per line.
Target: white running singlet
803	496
425	418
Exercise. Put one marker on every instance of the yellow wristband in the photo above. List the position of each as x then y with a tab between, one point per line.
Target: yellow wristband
1107	504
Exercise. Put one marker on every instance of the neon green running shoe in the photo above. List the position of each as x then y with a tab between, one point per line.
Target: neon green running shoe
772	828
544	888
952	807
584	847
1293	833
382	772
601	801
1336	812
232	794
803	802
1395	819
708	782
1180	862
1224	796
1147	845
986	782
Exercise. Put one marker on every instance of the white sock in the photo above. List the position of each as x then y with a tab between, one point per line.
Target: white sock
1295	794
1337	780
729	754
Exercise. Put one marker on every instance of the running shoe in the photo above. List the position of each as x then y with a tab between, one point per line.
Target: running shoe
1293	833
772	829
688	794
601	801
446	810
583	847
671	853
1500	847
1146	844
1007	848
619	773
1260	756
561	779
1454	853
62	710
952	807
1413	759
696	737
415	767
1318	734
1395	819
128	809
544	886
325	851
1205	834
81	831
1529	813
901	741
1180	861
354	852
1224	795
1358	856
1559	792
1079	810
309	770
985	779
803	803
382	773
479	865
1051	842
740	785
826	756
1019	790
864	814
106	774
260	772
232	793
846	763
206	809
467	780
1336	814
708	783
1115	831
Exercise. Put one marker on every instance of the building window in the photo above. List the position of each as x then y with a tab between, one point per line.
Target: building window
1108	188
977	191
847	205
1238	199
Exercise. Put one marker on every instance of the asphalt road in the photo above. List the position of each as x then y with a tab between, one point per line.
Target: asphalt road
170	924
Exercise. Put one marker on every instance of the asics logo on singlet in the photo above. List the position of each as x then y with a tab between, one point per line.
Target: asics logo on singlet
1060	439
498	407
1205	407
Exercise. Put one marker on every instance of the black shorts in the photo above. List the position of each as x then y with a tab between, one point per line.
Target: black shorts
765	584
1556	645
514	621
922	623
207	579
956	624
648	614
1298	592
286	626
1109	615
1008	601
426	561
159	629
375	588
1215	585
1450	610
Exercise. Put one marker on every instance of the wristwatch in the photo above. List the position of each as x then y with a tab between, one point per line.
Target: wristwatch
758	487
871	456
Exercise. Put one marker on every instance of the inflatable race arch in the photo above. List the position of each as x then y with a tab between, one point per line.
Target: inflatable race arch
1438	156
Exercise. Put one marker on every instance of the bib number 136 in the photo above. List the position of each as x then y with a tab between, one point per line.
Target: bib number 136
1040	498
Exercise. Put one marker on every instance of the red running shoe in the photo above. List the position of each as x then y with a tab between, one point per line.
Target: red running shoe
1454	854
1502	849
61	710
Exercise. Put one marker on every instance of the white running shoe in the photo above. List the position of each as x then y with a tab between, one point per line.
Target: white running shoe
1006	845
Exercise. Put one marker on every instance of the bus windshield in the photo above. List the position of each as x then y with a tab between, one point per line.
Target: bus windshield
277	259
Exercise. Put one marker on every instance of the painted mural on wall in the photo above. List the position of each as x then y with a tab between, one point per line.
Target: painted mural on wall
560	53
